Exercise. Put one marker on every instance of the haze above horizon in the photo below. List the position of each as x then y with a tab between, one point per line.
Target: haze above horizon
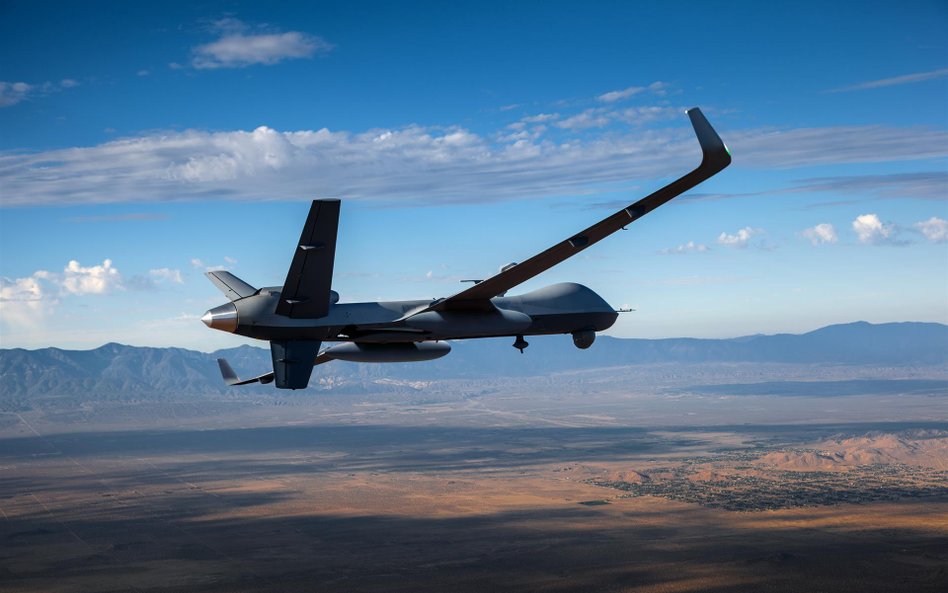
141	145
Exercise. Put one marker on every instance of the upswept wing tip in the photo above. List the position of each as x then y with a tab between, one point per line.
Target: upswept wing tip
713	149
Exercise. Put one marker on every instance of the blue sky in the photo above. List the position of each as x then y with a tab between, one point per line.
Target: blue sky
143	143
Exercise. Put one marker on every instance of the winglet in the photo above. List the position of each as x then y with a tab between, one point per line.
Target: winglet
714	151
231	379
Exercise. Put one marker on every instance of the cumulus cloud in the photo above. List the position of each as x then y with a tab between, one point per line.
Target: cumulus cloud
870	230
739	239
12	93
821	234
893	81
934	229
98	279
238	47
24	302
689	247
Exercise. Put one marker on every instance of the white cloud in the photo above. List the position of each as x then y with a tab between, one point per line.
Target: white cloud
895	80
658	87
926	185
200	264
237	48
590	118
98	279
23	301
934	229
644	115
870	230
12	93
803	147
613	96
740	238
820	234
540	117
418	164
689	247
167	275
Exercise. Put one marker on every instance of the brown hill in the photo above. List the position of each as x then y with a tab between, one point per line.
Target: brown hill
921	448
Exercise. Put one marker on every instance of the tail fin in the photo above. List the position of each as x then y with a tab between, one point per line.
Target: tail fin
306	292
233	287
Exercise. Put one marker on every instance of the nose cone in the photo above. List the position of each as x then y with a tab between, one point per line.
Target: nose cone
223	318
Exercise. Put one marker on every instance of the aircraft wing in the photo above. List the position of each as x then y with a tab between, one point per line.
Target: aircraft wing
715	158
305	292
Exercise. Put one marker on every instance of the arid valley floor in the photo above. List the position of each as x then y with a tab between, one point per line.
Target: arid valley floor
578	483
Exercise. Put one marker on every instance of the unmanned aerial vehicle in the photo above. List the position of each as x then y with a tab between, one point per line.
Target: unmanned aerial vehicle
303	314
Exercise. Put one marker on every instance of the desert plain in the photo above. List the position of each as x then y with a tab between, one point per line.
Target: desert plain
635	480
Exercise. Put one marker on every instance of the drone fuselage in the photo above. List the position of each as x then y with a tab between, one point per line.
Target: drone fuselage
556	309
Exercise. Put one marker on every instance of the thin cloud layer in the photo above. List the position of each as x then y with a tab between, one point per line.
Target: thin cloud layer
689	247
894	81
658	87
12	93
415	164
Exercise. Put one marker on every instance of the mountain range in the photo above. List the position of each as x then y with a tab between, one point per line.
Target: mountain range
128	373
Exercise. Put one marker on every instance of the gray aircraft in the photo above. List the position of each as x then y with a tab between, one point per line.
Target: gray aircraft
305	312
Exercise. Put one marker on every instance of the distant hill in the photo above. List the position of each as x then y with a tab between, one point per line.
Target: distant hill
128	373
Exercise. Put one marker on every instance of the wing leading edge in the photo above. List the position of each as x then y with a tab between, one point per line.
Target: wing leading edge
715	157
